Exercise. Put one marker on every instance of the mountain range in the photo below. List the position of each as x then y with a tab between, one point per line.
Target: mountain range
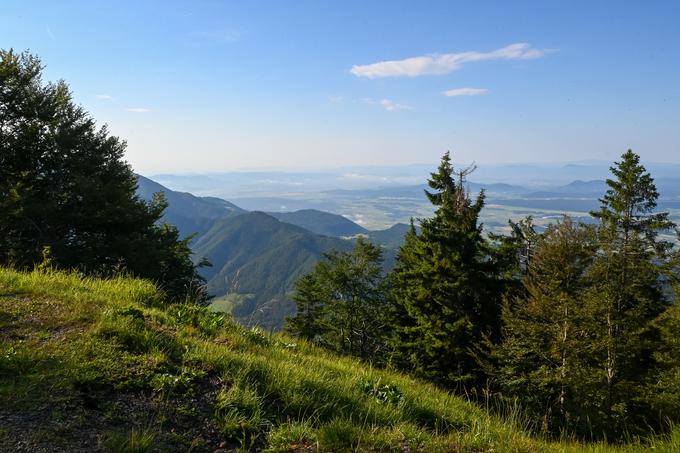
258	252
256	257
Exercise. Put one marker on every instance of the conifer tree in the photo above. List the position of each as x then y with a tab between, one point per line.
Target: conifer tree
311	297
446	287
342	303
582	349
540	361
626	295
664	392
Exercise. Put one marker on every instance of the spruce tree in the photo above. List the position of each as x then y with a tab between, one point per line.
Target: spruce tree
625	297
446	286
311	297
540	360
663	394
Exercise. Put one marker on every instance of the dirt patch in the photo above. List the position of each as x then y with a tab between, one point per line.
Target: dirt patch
83	422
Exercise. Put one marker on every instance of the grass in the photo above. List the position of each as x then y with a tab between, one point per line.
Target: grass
134	442
88	364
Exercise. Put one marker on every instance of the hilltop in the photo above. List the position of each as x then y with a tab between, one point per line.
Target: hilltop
95	365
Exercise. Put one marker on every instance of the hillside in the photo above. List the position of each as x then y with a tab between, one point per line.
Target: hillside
92	365
390	238
259	258
320	222
189	213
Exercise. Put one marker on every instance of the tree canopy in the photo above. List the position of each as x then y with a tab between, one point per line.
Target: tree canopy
342	303
446	287
65	189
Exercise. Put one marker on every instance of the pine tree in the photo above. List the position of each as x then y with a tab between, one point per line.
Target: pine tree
626	296
446	287
663	393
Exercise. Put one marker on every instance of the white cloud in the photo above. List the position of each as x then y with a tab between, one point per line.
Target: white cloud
465	92
387	104
438	64
392	106
138	109
104	97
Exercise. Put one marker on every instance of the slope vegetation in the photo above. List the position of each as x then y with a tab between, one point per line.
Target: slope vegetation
92	365
320	222
259	258
189	213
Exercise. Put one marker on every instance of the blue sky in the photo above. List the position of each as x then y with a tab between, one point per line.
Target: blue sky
197	86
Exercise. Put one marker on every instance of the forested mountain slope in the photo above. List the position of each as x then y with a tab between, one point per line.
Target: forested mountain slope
258	257
189	213
320	222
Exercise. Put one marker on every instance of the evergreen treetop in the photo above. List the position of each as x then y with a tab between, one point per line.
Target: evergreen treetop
445	285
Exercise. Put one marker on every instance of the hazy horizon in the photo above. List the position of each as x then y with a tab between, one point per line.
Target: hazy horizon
431	166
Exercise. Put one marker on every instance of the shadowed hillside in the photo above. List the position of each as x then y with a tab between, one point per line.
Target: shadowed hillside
256	254
320	222
189	213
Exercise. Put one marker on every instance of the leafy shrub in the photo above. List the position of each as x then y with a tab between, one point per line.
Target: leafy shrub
199	317
182	382
258	337
383	393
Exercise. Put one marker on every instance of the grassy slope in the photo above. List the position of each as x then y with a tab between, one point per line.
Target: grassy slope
102	365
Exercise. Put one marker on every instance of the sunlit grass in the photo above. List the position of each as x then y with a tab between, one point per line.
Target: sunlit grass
80	336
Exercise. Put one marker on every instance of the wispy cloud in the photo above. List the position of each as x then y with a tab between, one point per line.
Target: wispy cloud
104	97
221	36
438	64
138	109
465	92
392	106
49	32
387	104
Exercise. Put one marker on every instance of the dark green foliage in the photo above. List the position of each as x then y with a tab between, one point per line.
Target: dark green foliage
627	210
626	295
664	392
384	393
342	303
583	349
310	298
515	252
259	255
64	185
446	286
541	360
